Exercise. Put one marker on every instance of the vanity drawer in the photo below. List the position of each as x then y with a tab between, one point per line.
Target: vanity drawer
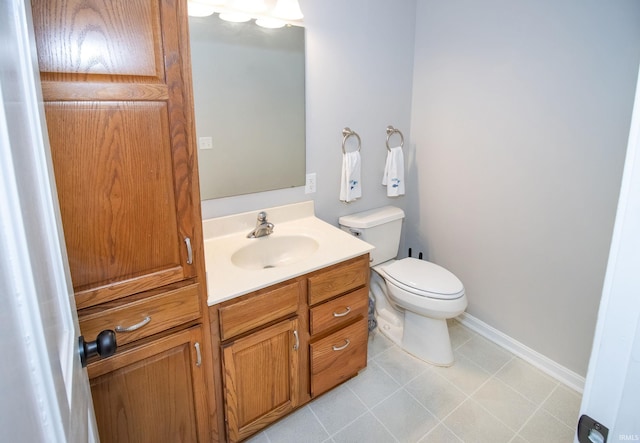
339	311
338	280
164	309
338	357
245	315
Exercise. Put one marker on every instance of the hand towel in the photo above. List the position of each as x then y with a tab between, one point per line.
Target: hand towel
350	186
393	176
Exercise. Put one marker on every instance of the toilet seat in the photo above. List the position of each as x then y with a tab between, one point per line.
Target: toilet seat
424	278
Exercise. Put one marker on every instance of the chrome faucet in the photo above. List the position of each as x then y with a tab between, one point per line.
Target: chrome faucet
263	227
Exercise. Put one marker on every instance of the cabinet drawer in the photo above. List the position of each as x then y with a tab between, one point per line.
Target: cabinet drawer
164	310
248	314
340	311
338	280
338	357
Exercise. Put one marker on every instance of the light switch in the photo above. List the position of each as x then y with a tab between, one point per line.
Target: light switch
310	184
205	142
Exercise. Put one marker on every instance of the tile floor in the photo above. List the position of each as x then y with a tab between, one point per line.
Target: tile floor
489	395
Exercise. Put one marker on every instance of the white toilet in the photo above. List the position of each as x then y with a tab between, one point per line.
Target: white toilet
414	298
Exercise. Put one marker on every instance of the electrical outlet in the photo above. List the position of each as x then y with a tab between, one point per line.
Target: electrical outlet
205	142
310	184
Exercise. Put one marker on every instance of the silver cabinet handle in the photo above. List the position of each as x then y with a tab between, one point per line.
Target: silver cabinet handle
133	327
297	345
342	314
187	241
198	354
340	348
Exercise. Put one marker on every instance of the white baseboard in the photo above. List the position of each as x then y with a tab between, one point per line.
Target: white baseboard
545	364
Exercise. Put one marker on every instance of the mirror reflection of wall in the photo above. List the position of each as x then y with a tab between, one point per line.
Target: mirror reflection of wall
248	85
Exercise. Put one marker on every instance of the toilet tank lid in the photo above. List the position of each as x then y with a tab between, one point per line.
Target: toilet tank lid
372	217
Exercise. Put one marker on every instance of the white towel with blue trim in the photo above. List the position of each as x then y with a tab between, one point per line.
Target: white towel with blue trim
393	177
350	186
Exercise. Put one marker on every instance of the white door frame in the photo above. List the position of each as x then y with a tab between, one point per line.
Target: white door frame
612	389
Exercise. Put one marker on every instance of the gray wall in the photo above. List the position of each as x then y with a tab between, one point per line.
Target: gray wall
359	71
521	113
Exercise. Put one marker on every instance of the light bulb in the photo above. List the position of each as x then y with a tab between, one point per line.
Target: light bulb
288	9
250	5
195	9
271	23
236	17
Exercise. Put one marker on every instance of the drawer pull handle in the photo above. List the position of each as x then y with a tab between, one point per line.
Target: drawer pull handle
198	354
134	327
340	348
297	344
342	314
187	241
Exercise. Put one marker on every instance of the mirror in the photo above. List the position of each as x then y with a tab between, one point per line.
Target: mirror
248	85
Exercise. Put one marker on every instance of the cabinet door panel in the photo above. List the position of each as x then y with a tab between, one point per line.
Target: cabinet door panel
153	393
261	378
114	167
99	37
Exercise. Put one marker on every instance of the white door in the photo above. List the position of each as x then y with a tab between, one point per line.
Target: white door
612	389
45	395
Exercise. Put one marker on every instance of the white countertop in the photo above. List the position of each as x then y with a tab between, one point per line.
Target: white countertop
225	235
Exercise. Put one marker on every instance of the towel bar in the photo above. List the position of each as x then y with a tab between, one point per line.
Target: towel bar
346	133
390	131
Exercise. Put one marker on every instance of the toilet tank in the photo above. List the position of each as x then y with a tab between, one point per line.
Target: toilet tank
379	227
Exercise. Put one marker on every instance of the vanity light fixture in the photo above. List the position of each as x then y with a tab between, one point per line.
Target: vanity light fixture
204	8
195	9
271	23
285	12
236	17
249	5
288	9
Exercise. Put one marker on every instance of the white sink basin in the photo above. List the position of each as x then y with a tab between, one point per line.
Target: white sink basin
274	251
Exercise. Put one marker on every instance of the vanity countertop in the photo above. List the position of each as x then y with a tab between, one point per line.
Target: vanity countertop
225	235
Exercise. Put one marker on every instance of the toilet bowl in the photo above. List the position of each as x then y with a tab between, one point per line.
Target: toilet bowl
413	298
426	305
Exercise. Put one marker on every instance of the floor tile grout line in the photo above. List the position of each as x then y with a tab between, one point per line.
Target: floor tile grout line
470	399
440	422
367	410
540	407
319	421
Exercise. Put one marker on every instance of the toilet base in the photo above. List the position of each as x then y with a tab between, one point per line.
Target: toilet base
427	338
390	326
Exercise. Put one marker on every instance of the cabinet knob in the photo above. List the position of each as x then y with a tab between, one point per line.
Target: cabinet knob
105	346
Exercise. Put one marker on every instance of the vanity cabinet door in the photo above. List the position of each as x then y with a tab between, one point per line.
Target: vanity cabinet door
117	98
261	378
152	393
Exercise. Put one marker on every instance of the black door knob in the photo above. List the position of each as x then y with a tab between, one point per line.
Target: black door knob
104	346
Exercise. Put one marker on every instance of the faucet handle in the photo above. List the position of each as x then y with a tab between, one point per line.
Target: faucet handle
262	217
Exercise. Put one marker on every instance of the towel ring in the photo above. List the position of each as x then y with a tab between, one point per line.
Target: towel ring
346	133
390	131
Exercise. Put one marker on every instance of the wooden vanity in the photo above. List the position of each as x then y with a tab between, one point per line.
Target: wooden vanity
283	345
